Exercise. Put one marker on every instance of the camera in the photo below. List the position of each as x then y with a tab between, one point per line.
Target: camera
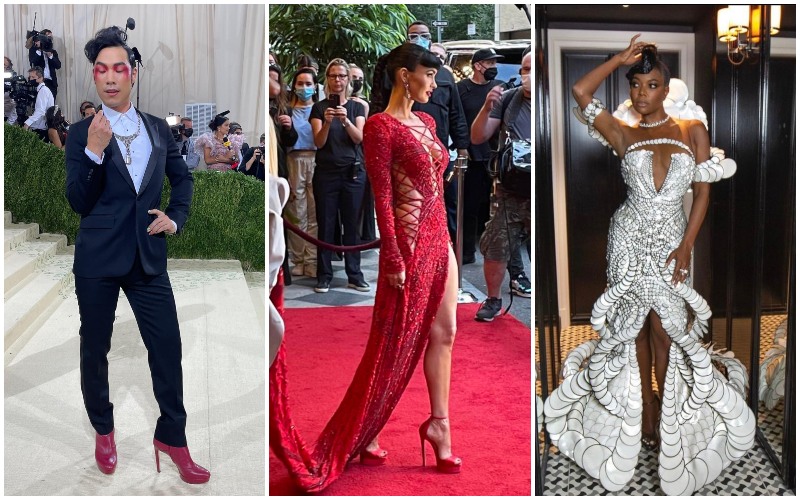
46	42
23	92
175	126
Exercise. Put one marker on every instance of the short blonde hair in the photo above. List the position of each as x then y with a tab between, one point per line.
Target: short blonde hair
348	88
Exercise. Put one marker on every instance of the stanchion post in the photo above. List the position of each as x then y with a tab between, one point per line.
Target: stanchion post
460	170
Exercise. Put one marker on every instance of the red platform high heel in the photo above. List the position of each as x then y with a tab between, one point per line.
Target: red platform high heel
190	472
449	465
105	452
377	457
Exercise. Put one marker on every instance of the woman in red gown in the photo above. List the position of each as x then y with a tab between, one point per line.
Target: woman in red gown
415	303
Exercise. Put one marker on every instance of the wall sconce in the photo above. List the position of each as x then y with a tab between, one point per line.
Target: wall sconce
740	27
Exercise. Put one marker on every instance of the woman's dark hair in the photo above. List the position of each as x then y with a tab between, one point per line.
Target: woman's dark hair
409	56
53	117
86	105
648	62
304	71
306	60
217	122
108	37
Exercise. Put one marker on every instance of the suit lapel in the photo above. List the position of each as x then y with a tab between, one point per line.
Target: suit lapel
155	142
116	157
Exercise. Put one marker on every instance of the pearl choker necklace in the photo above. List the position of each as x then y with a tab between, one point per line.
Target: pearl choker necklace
654	124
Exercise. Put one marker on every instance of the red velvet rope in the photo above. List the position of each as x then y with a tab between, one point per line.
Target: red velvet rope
327	246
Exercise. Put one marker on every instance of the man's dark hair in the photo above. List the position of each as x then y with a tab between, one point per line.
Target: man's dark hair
649	61
108	37
38	70
185	119
408	56
418	23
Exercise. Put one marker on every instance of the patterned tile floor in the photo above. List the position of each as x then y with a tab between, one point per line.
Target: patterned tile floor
753	475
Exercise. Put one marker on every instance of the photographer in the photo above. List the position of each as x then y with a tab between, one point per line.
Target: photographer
253	161
87	109
44	99
10	112
510	224
42	54
186	144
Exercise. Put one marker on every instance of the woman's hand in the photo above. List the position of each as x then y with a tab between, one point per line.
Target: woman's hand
397	280
633	52
682	257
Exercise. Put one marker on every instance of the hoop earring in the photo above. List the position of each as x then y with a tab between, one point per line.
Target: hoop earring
408	94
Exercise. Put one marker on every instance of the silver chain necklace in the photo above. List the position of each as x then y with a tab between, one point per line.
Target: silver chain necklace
654	124
128	139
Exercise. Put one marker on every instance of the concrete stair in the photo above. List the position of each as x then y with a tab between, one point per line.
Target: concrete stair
49	442
37	277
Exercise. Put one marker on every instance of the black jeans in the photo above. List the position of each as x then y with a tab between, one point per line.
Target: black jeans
477	188
337	192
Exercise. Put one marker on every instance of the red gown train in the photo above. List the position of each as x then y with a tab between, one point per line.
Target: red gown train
406	176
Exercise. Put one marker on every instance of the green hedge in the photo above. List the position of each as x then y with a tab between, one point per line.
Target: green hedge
226	219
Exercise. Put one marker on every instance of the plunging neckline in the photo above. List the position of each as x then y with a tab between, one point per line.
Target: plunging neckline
663	140
410	130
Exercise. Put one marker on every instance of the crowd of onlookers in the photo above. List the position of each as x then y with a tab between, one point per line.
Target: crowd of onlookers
319	112
30	103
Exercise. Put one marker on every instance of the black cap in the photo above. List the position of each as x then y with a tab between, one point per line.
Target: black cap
485	55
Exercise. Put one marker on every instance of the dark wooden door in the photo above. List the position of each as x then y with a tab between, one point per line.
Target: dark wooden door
594	186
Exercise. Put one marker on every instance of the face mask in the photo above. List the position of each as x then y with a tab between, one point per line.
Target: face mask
490	74
422	42
357	85
526	82
188	132
305	93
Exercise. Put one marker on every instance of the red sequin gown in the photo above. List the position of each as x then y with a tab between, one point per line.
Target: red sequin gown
406	176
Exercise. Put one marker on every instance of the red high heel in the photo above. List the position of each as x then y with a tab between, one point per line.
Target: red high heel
449	465
190	472
105	453
377	457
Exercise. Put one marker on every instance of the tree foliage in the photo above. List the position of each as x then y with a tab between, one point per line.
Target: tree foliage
358	34
458	16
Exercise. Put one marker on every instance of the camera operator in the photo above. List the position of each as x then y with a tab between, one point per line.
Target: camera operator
87	109
186	144
42	54
253	161
44	99
10	112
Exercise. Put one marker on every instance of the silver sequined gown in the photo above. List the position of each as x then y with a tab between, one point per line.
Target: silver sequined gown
595	415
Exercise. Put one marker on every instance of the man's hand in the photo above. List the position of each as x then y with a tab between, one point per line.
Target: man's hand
463	152
100	134
493	97
162	224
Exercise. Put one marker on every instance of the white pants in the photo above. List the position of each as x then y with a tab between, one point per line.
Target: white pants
301	209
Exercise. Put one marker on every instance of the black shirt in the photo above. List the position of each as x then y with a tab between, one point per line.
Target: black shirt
339	150
473	96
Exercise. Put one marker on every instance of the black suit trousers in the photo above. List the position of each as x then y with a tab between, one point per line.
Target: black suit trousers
154	308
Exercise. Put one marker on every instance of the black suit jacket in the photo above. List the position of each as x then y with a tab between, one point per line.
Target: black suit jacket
38	60
114	218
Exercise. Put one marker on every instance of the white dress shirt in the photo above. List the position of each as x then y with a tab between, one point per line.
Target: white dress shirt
44	100
46	68
141	147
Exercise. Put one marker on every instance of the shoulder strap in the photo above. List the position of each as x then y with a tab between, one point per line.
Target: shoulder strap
510	110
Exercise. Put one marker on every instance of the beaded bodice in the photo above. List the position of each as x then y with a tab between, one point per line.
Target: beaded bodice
637	171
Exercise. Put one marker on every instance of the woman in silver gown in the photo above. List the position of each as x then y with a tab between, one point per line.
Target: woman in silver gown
605	409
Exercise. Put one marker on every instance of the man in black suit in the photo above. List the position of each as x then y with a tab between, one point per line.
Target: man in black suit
45	58
116	164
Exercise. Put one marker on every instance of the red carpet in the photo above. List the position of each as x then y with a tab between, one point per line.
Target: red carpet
490	405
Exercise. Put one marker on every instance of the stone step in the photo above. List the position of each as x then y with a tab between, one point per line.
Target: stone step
16	234
29	256
26	301
224	395
8	218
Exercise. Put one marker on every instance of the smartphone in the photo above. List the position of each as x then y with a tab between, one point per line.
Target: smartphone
334	98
